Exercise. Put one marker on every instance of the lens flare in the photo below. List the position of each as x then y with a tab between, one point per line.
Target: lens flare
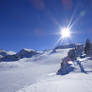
65	33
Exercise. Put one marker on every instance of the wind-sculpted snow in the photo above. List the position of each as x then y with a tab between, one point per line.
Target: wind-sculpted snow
16	75
69	83
38	74
80	80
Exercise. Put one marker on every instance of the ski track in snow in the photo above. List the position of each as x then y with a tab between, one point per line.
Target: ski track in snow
38	74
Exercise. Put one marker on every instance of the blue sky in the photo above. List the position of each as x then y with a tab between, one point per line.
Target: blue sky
35	23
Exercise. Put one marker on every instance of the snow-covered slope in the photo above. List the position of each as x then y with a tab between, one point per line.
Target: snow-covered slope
65	46
76	81
8	56
69	83
26	53
5	53
38	74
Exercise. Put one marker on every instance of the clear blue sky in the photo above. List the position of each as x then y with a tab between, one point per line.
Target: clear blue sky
33	23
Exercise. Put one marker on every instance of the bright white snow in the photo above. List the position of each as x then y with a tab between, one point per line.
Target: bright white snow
38	74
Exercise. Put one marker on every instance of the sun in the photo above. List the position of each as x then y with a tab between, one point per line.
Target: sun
65	33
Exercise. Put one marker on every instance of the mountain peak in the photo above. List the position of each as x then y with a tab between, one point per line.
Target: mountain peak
28	50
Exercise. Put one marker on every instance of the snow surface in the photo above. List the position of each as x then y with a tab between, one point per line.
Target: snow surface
4	53
11	53
38	74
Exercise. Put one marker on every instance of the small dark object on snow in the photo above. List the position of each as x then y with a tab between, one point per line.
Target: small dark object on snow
65	67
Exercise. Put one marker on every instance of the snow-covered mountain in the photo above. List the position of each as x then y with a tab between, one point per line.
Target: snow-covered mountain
38	74
11	56
5	53
26	53
65	46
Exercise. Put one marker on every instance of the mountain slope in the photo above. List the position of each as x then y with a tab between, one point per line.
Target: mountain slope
8	56
5	53
68	83
75	81
16	75
38	74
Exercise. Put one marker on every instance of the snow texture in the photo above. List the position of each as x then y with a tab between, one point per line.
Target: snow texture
38	74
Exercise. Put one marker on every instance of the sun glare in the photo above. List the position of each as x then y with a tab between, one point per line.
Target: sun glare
65	33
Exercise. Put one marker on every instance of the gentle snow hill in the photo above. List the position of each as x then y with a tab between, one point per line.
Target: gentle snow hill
38	74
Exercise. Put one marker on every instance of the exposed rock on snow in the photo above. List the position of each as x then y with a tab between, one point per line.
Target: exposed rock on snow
66	46
7	55
10	58
26	53
76	81
41	76
3	53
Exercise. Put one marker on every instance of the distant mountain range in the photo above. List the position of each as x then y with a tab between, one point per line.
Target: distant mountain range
12	56
67	46
27	53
